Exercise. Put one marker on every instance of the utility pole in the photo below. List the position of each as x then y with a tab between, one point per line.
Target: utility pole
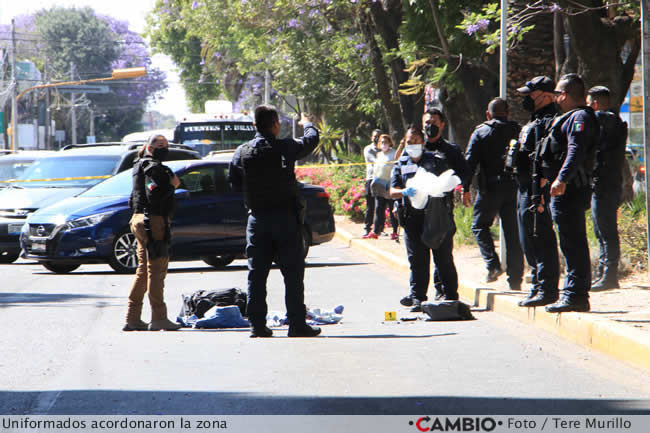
73	113
48	122
14	92
503	93
267	87
645	41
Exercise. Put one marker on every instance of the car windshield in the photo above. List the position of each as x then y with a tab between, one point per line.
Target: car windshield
12	169
64	171
119	185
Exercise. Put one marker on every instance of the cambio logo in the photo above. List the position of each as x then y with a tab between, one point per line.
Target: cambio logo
463	424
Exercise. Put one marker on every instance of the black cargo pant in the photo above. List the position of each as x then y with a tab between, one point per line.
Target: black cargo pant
540	249
370	207
275	234
499	199
419	257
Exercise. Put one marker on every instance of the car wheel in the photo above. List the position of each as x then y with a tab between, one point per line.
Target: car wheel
218	261
59	268
124	257
7	257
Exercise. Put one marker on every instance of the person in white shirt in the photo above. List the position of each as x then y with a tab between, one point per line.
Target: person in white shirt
370	155
384	162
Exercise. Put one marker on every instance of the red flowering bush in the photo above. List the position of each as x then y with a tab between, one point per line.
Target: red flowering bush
345	185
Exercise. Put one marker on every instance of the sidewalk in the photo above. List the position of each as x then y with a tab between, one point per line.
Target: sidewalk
618	324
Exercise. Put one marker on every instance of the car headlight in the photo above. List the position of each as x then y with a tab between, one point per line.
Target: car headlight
87	221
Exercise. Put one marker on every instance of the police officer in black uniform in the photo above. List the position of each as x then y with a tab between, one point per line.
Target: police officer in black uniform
568	155
264	170
419	254
433	123
536	232
152	201
497	192
607	186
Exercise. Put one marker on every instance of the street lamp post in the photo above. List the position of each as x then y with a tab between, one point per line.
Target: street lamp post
117	74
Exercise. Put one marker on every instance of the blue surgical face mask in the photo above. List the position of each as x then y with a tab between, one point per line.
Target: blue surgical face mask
413	150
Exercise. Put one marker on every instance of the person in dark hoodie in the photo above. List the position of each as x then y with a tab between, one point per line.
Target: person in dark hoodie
497	192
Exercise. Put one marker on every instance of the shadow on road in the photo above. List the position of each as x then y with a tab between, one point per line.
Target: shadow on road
37	298
231	268
188	402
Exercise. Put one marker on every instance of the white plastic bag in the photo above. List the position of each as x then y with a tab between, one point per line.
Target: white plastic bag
428	184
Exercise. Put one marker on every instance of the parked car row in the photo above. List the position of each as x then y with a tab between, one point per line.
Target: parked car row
63	223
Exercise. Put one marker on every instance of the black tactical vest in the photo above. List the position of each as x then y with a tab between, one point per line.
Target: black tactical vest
138	199
269	181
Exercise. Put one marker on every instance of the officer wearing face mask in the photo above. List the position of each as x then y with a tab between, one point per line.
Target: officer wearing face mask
568	155
152	201
413	220
433	123
536	233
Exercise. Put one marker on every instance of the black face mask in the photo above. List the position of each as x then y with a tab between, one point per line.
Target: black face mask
160	153
528	104
431	130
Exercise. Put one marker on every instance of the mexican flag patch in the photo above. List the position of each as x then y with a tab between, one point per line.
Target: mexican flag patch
151	185
578	127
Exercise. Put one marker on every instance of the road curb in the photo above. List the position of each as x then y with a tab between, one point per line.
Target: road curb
605	335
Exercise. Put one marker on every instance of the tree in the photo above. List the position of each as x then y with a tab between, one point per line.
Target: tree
93	45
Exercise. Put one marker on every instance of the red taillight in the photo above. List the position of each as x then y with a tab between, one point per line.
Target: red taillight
323	194
642	169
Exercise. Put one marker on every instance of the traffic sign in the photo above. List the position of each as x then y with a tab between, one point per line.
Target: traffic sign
83	88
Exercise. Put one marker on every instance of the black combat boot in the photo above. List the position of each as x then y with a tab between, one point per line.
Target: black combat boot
539	300
303	330
260	330
566	304
493	274
607	282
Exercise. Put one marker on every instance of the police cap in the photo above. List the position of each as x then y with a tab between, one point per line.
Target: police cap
543	83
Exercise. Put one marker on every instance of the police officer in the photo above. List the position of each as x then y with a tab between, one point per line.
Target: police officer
497	192
567	154
152	201
264	170
433	123
536	232
607	186
413	222
370	156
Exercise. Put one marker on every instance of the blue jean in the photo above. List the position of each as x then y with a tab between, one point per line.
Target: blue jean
604	212
569	214
275	235
499	199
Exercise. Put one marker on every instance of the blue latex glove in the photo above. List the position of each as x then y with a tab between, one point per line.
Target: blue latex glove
409	192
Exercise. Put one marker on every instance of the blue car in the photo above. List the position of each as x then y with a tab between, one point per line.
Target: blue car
209	223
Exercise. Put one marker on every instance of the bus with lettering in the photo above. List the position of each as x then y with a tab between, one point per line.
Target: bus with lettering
218	129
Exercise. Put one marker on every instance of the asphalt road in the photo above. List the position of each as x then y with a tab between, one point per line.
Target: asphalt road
62	352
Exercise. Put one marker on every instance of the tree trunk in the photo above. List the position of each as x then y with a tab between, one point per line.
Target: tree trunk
598	42
529	58
466	109
392	112
387	17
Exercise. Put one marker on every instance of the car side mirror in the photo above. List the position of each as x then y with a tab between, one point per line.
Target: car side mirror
182	194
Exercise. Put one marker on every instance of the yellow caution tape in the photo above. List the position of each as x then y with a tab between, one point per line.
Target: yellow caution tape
340	165
56	179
